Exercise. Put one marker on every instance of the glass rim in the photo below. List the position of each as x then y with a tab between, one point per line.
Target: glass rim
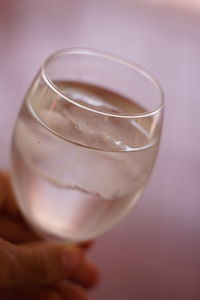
111	57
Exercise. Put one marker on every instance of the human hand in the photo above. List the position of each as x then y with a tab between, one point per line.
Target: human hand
34	269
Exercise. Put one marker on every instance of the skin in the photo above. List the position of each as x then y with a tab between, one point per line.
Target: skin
34	269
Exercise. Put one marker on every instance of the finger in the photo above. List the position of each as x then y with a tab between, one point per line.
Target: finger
15	230
36	264
43	294
71	291
87	245
40	294
2	193
9	205
31	294
86	275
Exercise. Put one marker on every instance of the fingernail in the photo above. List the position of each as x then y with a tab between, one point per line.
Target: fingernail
71	257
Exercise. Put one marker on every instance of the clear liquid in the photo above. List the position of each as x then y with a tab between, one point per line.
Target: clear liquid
72	192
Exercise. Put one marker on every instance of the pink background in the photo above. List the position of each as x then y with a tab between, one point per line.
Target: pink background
154	253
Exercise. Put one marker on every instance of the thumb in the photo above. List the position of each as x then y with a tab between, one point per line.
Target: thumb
36	264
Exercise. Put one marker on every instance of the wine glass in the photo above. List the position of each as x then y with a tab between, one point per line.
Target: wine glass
85	143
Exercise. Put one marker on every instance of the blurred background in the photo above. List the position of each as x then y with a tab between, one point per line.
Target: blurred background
154	253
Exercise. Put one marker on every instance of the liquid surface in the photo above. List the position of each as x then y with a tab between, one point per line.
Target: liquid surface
72	192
